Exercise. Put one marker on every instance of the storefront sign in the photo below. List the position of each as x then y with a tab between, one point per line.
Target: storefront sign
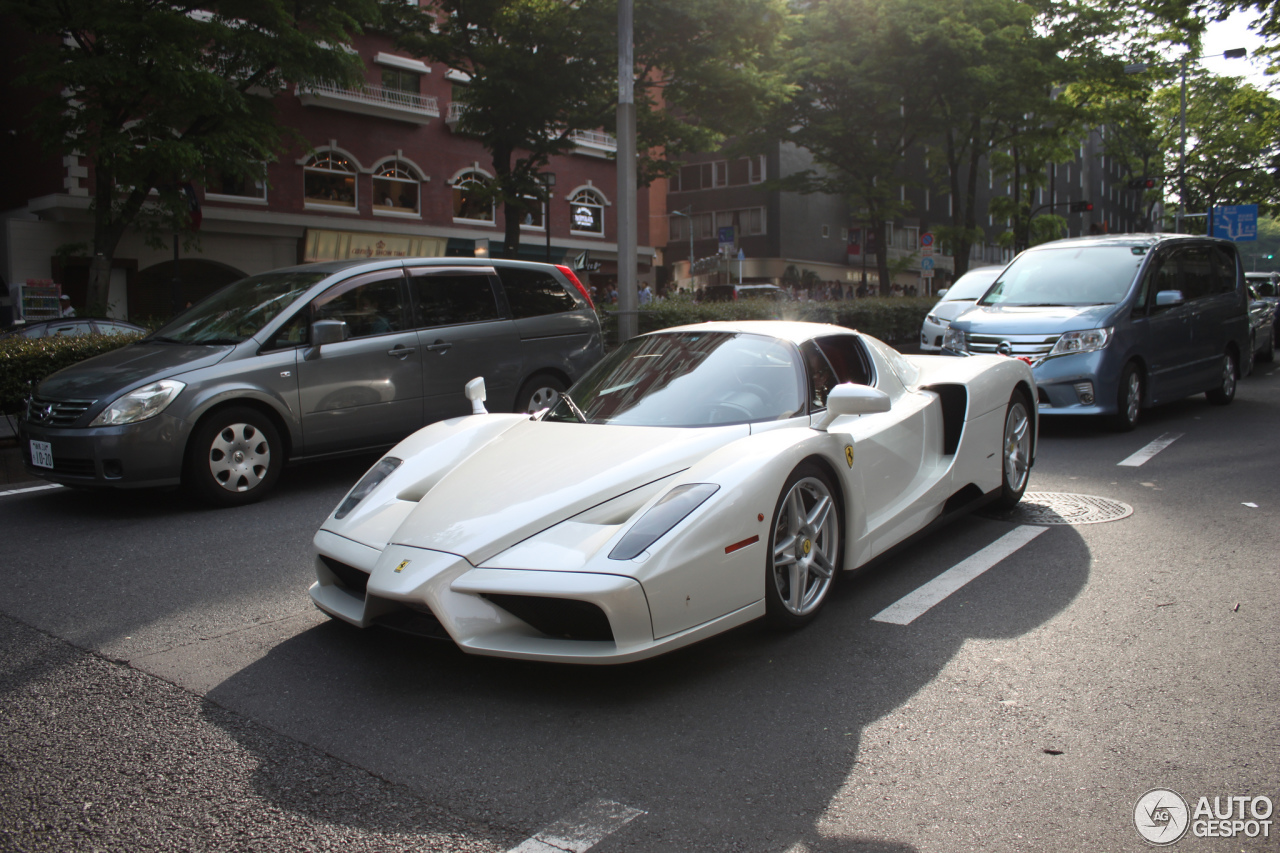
342	245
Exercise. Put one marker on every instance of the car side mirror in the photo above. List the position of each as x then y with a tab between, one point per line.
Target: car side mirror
329	332
850	399
942	293
1168	298
477	395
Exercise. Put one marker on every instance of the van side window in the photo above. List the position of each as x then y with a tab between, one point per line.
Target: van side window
1226	262
1163	277
370	308
293	333
533	293
1199	277
448	299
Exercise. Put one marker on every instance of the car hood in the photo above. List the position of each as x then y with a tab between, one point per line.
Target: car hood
1032	320
538	474
951	309
113	373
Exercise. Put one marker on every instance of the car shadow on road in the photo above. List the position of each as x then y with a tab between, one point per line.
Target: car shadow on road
744	741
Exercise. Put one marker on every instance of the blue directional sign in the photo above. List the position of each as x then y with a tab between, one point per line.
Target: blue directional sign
1238	222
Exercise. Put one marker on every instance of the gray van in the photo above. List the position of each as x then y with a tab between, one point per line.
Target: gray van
307	362
1116	324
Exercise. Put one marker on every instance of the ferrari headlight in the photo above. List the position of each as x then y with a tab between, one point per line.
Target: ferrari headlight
370	481
661	517
938	321
954	340
146	402
1089	340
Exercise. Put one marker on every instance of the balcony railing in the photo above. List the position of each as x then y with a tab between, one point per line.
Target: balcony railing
594	141
372	100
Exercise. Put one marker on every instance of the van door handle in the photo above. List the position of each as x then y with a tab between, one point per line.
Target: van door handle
401	351
439	346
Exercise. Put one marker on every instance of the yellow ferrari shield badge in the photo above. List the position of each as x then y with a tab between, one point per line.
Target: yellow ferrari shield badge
848	454
400	567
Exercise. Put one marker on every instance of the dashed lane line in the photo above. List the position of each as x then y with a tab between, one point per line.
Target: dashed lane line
580	831
907	609
30	489
1150	450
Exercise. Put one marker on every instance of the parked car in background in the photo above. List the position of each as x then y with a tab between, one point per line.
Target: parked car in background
730	292
1267	286
307	362
954	301
1262	330
71	326
1116	324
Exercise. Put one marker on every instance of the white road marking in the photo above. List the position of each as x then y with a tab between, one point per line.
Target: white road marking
30	489
1150	450
581	831
907	609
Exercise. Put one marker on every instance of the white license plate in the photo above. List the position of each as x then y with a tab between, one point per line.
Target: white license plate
41	454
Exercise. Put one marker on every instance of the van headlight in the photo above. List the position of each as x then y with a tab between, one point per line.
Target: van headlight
141	404
938	321
1090	340
954	339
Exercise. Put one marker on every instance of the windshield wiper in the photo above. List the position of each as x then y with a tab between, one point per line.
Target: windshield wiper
218	342
162	340
573	407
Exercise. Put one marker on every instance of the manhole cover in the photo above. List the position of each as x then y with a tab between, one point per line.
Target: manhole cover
1059	508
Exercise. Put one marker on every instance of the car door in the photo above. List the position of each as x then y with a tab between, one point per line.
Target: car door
364	391
1167	348
461	336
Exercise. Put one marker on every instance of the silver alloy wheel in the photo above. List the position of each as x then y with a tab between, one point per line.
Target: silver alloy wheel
806	542
1133	396
1228	376
239	457
1017	445
543	397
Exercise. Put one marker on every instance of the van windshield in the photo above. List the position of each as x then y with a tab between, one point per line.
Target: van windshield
1069	276
239	310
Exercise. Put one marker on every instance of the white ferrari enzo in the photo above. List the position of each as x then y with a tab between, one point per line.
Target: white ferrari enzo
695	479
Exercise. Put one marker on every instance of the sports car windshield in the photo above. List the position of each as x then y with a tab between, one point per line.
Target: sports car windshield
1074	276
239	310
689	379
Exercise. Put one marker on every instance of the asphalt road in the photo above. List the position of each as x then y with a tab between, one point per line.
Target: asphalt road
165	684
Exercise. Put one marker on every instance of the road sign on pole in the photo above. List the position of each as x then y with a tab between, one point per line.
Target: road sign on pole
1238	222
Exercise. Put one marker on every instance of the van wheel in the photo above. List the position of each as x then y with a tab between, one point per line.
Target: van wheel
1269	354
1246	369
1225	392
541	392
234	458
1128	399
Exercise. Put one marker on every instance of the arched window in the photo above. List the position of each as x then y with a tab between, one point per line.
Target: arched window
586	212
470	199
395	188
329	179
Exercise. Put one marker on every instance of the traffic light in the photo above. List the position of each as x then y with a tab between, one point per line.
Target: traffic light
1081	206
1141	183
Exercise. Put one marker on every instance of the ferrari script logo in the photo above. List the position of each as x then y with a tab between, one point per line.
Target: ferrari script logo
400	567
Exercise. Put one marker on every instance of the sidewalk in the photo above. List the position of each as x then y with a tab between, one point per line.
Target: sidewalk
11	470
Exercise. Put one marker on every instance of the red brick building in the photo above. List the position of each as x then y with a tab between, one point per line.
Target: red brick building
386	174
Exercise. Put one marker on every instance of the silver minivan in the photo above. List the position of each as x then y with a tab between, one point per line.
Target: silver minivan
307	362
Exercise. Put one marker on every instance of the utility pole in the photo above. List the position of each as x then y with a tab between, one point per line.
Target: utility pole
627	234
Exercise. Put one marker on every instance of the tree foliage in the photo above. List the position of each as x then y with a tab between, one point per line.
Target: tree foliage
156	93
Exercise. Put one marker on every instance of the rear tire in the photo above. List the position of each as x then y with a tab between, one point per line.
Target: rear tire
1225	392
1015	451
234	457
1269	354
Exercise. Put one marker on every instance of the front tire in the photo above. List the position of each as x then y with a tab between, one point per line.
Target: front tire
1128	399
235	457
1269	354
804	548
1015	451
1225	392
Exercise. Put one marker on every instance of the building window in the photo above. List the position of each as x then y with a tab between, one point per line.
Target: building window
400	80
395	188
534	213
586	212
471	199
237	187
756	169
329	179
745	222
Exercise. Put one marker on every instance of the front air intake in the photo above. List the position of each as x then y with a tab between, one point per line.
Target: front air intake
562	618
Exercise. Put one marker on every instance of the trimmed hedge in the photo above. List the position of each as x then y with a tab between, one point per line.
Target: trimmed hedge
891	319
25	360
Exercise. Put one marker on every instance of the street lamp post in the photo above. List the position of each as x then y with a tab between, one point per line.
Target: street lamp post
548	181
687	213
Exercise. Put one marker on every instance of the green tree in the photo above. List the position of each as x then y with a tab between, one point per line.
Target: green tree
541	70
155	93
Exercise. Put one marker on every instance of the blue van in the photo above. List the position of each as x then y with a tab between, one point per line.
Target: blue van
1118	323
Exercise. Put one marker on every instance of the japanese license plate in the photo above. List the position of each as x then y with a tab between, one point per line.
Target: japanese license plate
41	454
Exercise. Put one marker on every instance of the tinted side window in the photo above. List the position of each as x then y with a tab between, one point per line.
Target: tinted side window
447	299
1226	263
1199	277
532	293
1164	276
821	376
369	307
847	358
